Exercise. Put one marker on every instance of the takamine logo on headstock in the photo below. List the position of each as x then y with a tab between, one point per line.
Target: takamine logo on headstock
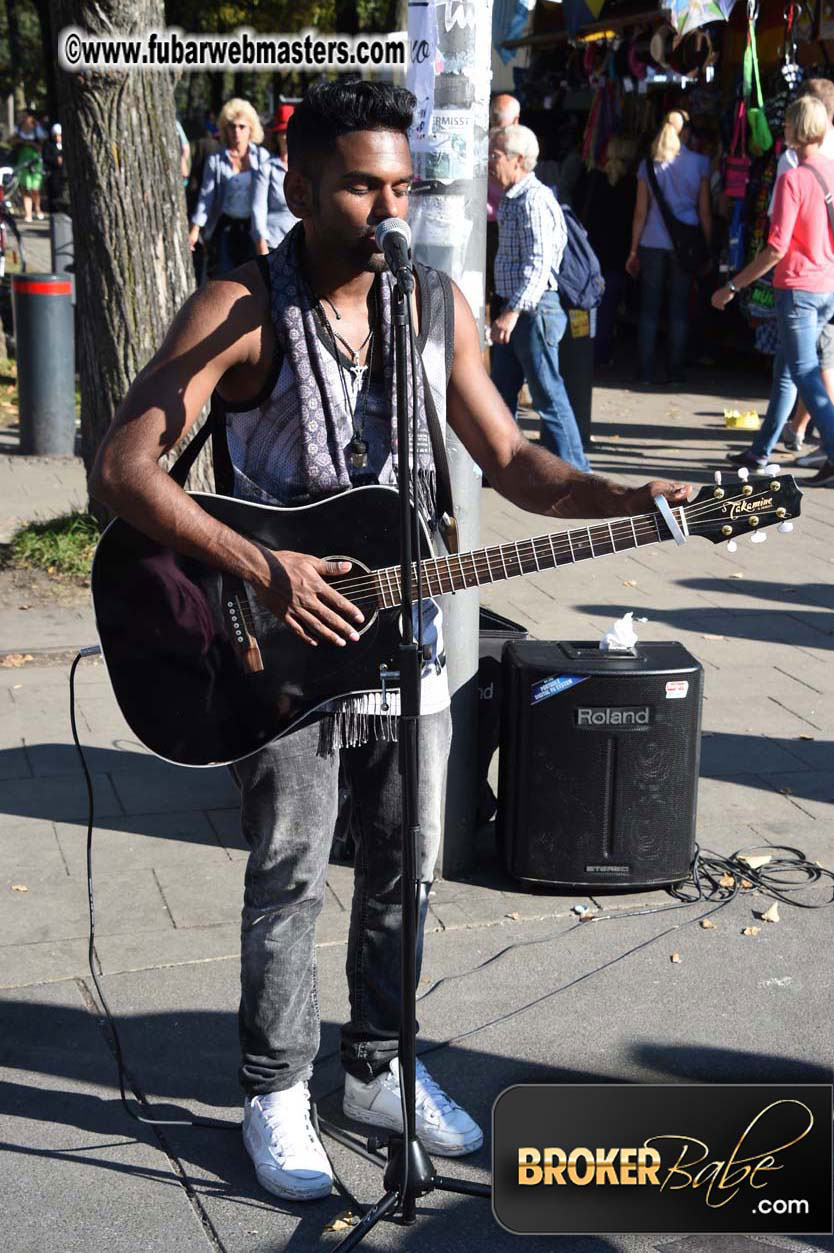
723	512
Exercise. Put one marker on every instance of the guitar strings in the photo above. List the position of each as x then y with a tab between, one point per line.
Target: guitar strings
479	559
525	556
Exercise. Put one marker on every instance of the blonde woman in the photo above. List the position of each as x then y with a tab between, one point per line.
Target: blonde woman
606	215
224	207
683	181
801	246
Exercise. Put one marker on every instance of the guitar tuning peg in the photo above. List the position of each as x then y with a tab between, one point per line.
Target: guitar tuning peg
785	528
758	537
743	473
731	546
717	477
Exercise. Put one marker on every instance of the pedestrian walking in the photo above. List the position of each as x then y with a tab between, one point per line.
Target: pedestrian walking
271	217
53	164
801	247
527	331
29	166
224	206
673	202
607	214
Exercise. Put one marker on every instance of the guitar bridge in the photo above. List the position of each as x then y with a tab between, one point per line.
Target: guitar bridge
239	614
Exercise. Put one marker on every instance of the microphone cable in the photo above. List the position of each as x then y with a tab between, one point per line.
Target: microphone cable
210	1125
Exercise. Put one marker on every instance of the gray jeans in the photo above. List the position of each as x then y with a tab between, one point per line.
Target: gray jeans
289	803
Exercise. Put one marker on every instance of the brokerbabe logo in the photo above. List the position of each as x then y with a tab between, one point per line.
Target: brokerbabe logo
619	716
585	1158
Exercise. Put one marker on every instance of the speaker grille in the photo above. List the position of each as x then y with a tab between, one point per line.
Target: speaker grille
602	799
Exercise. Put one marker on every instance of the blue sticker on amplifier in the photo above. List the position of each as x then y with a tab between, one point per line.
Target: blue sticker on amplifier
553	686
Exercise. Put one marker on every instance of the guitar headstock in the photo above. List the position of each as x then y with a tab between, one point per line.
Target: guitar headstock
723	512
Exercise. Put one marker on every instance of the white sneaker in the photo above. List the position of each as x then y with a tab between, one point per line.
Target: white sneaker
443	1127
288	1155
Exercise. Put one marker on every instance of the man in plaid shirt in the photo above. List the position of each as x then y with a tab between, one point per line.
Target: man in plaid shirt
526	334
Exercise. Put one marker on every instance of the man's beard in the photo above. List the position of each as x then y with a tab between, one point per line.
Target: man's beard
376	264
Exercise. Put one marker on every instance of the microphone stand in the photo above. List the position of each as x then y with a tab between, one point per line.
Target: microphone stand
409	1172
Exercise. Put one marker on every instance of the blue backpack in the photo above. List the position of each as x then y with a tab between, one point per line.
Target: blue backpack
581	284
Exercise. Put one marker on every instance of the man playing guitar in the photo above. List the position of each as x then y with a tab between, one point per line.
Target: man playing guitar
297	346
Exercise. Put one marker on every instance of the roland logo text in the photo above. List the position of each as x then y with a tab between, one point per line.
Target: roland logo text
614	716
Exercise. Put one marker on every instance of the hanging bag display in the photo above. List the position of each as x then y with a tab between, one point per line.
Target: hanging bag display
737	163
761	140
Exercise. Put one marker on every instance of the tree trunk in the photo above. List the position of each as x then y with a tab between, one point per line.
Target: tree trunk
132	262
15	56
42	8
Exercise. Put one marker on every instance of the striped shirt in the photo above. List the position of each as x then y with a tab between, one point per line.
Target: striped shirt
531	240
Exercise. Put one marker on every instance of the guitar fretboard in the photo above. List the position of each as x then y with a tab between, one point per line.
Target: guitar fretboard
442	575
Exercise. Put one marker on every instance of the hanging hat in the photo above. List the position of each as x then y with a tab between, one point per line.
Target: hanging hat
691	55
283	113
663	41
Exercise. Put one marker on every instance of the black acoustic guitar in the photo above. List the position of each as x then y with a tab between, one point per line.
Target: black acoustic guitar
204	675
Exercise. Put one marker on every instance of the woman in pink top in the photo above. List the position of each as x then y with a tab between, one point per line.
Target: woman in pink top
801	246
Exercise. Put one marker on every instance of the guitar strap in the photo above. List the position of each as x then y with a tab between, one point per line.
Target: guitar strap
215	426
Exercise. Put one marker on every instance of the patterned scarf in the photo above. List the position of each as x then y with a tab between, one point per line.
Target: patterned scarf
321	414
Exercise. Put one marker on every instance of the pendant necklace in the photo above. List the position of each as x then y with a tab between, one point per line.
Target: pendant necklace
360	382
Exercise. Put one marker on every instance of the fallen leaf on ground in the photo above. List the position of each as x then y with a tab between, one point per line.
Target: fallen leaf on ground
515	915
772	914
676	958
786	791
629	582
19	887
738	574
24	606
751	930
727	881
708	924
754	860
343	1222
746	885
803	736
13	661
713	637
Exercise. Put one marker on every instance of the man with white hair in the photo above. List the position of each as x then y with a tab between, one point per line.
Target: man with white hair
525	335
504	110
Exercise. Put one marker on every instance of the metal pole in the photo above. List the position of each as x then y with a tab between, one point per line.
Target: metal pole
45	351
61	244
450	73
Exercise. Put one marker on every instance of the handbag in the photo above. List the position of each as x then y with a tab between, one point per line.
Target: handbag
761	140
688	241
737	163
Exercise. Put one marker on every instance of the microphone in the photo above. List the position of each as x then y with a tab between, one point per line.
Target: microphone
393	236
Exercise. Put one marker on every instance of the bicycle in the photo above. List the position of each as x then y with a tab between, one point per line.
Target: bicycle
8	226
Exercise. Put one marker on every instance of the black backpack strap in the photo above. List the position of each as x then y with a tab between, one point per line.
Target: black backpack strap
180	469
215	426
663	205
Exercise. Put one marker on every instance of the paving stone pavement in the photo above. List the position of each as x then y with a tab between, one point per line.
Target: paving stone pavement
169	862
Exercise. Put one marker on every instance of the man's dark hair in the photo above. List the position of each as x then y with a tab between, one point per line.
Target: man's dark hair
329	110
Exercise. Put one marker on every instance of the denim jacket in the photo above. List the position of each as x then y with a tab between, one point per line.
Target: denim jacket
271	218
218	170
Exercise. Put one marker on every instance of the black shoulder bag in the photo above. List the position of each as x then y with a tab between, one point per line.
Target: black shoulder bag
690	247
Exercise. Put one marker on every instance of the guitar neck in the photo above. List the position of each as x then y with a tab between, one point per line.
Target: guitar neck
441	575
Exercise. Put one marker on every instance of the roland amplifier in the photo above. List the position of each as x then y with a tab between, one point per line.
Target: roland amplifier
598	770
